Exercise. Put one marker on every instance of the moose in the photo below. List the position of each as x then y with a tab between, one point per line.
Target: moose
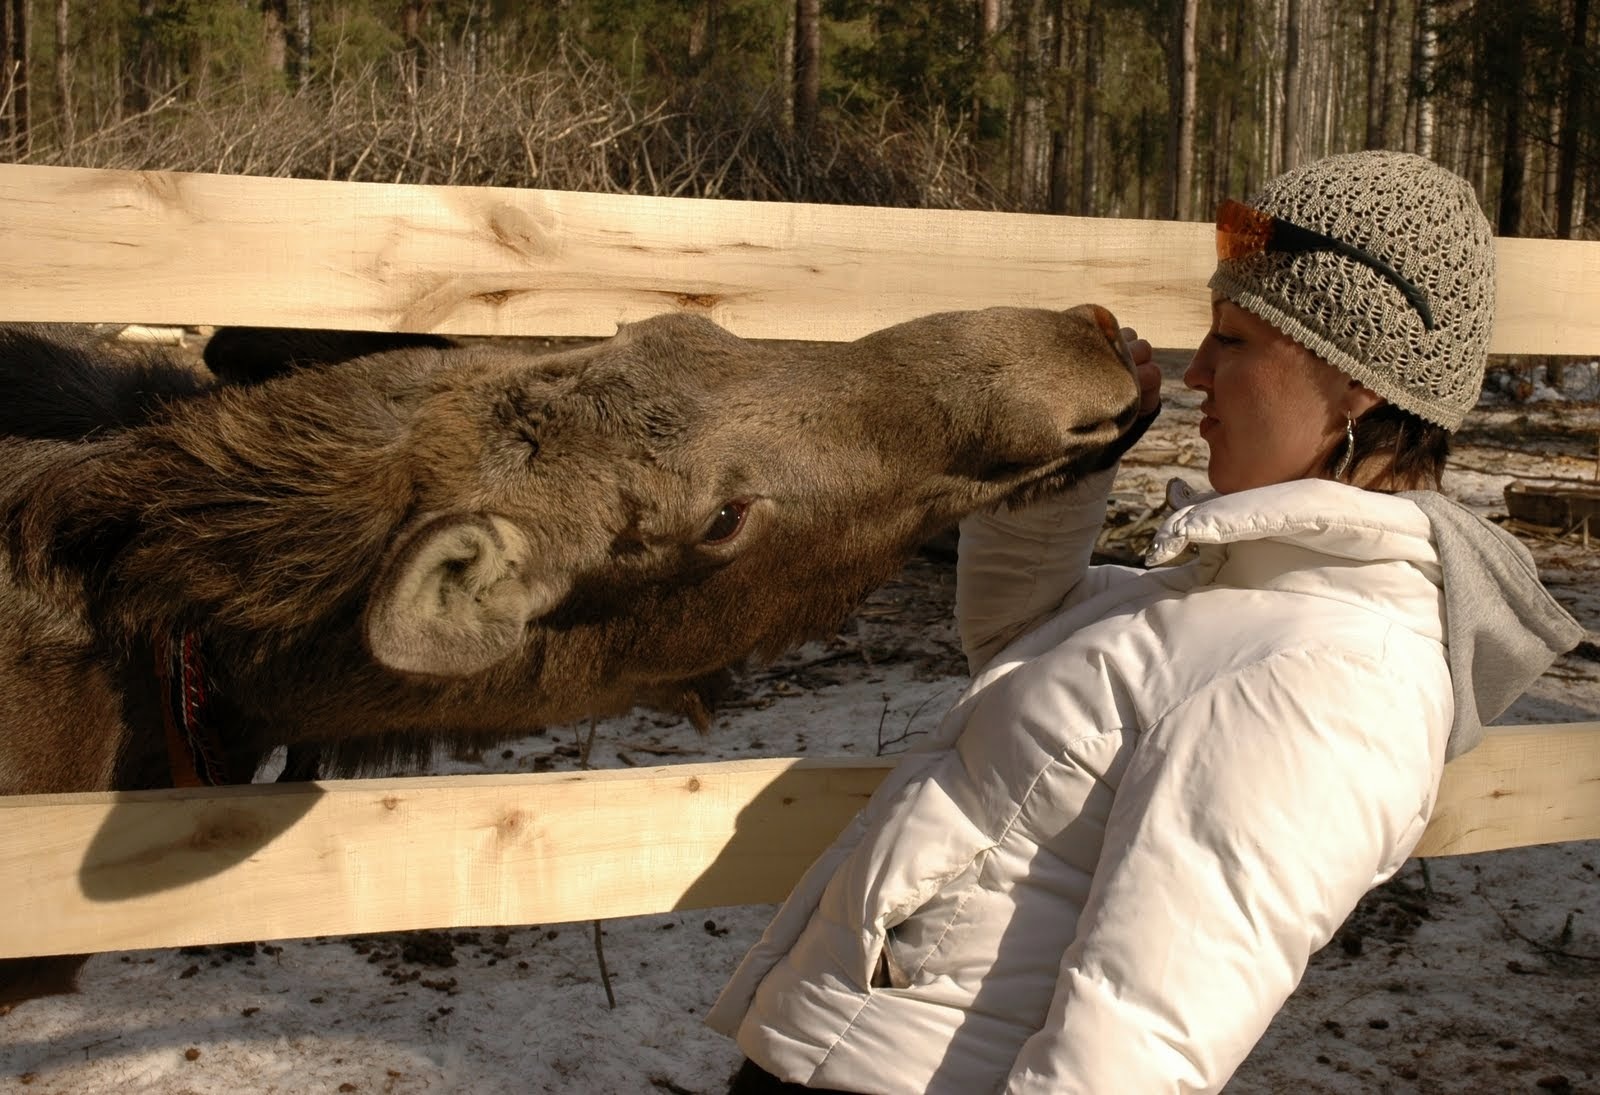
457	543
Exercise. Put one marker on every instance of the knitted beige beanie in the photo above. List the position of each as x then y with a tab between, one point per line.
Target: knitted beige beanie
1419	218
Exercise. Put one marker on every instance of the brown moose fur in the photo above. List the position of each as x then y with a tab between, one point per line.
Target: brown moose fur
438	544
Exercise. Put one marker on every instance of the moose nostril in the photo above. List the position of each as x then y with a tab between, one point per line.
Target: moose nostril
1107	324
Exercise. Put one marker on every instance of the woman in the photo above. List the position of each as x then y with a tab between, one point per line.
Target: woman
1166	788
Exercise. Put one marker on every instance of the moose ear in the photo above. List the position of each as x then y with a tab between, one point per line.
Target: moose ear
455	597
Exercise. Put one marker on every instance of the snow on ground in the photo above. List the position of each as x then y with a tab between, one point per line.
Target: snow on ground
1467	974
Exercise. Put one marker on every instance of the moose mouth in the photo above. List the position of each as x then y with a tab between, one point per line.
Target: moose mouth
1066	471
1057	475
1053	479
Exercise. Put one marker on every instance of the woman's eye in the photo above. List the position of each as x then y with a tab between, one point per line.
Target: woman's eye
727	523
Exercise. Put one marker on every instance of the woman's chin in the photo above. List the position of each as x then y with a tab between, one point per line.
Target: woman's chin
1226	480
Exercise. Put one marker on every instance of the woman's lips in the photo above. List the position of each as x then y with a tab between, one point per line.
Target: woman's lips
1207	424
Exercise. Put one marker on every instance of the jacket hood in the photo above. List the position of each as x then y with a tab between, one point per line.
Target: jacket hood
1502	628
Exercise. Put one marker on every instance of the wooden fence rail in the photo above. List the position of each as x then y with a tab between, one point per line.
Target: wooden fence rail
90	872
149	247
145	869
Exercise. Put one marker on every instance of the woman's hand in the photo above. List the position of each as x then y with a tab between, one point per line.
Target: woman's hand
1145	370
1148	374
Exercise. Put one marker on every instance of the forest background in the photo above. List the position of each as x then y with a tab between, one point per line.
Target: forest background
1132	108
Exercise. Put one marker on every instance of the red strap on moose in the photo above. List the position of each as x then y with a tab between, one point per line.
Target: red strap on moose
194	754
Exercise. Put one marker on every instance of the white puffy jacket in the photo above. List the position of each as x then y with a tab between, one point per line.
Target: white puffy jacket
1163	790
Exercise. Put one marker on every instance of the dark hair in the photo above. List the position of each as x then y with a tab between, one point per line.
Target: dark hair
1414	448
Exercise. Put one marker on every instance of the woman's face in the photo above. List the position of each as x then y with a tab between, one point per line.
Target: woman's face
1273	410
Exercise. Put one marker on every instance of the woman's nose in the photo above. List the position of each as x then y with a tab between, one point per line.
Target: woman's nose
1198	375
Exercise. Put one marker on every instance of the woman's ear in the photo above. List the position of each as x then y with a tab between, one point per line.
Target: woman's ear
1359	399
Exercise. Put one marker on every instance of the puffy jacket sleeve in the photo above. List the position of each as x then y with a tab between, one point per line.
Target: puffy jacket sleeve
1015	566
1248	823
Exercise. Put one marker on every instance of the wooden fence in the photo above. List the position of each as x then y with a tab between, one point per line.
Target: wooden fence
87	872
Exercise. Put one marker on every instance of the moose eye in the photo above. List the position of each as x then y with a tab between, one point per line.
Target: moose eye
727	523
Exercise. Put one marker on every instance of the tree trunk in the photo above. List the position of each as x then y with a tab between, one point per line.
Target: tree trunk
1230	114
302	44
1423	49
413	43
987	25
1330	84
1037	104
1026	157
410	45
1548	150
5	78
140	75
1087	204
703	34
1398	59
1289	132
1513	151
64	120
807	64
1218	137
1144	168
1061	124
786	59
22	57
1184	183
275	34
1181	63
1376	71
1266	144
1572	106
1389	80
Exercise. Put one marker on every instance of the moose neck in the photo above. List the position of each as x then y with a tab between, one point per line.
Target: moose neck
325	691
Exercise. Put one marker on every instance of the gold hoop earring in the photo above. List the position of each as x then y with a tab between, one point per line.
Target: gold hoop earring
1349	449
